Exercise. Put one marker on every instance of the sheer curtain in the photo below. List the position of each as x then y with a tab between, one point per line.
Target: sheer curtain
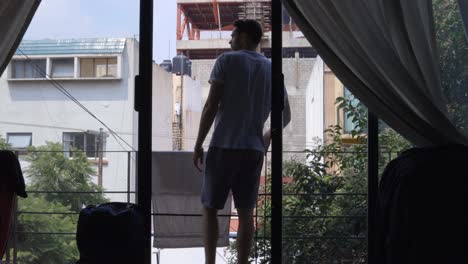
15	16
386	53
463	4
451	20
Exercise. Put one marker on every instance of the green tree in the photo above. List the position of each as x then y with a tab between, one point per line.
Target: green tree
453	55
3	144
46	248
314	225
51	171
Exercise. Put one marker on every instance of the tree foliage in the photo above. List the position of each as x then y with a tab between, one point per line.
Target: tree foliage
51	170
453	55
327	221
49	238
46	248
3	144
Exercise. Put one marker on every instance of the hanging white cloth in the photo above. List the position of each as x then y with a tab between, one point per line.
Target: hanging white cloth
176	191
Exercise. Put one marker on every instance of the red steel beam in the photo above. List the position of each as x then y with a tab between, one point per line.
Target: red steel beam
179	18
215	12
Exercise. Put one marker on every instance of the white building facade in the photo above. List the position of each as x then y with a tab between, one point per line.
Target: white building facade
99	74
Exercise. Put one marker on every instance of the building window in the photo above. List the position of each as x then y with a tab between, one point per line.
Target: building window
98	67
28	69
19	141
83	141
63	68
348	124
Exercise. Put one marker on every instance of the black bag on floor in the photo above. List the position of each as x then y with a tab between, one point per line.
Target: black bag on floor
111	233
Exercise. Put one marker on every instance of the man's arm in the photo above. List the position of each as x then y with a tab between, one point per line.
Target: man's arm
286	111
209	112
286	121
208	115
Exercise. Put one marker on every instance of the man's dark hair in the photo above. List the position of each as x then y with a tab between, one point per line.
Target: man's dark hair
252	28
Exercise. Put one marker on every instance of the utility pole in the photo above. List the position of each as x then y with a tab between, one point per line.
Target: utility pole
100	150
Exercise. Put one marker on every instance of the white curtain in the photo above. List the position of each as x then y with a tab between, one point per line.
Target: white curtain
385	53
15	16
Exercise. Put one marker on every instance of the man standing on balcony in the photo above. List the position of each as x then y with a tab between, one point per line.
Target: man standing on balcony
240	100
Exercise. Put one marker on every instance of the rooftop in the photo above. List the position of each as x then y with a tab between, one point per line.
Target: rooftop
71	46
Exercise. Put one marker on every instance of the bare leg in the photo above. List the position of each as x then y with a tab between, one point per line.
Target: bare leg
211	232
245	234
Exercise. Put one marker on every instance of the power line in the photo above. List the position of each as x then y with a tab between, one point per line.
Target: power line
59	87
116	136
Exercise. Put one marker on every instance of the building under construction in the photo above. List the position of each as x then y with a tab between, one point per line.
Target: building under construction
202	26
203	33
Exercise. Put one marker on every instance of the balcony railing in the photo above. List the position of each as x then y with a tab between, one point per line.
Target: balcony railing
330	227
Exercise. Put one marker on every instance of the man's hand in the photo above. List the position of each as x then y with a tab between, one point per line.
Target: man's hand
267	139
198	157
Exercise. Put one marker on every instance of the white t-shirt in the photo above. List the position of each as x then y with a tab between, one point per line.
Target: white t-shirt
246	101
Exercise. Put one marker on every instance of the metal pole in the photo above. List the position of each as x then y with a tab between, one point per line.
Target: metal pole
373	183
277	133
143	104
100	156
181	113
128	175
15	230
265	197
256	234
15	225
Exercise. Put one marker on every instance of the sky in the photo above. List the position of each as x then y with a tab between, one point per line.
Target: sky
104	18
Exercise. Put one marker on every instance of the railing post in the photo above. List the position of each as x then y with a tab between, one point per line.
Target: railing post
15	225
373	183
277	133
265	197
15	230
143	104
128	175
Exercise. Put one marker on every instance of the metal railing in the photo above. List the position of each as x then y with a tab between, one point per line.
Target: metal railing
12	252
262	217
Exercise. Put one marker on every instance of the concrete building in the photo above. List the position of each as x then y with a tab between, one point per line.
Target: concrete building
187	111
321	109
203	33
99	74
